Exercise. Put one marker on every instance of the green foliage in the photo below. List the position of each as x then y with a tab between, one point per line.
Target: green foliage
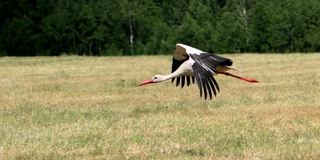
132	27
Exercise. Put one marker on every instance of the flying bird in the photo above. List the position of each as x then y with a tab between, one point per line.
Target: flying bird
190	64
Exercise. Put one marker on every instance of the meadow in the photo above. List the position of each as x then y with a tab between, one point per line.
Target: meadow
74	107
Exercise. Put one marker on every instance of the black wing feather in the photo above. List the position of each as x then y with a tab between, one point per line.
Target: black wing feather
204	67
216	84
212	60
199	82
178	81
209	89
188	80
183	81
212	86
175	65
204	85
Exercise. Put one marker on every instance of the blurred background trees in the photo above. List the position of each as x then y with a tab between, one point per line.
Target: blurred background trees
134	27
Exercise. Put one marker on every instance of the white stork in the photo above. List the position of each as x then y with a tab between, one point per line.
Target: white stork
189	63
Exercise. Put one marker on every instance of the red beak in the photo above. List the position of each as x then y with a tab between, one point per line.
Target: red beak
146	82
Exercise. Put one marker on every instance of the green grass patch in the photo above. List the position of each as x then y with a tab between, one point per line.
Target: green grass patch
90	108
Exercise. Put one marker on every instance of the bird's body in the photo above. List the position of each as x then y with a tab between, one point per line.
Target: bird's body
190	64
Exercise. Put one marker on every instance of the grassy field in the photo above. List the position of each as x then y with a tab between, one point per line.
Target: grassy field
90	108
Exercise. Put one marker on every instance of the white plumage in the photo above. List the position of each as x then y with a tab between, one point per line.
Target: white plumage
190	64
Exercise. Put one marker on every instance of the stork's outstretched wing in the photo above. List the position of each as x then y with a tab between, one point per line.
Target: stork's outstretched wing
204	67
181	55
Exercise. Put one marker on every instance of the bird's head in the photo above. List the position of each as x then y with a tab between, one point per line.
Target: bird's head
154	79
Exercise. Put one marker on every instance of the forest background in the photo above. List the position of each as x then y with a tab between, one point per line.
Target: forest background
151	27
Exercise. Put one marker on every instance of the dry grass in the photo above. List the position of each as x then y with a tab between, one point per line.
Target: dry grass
90	108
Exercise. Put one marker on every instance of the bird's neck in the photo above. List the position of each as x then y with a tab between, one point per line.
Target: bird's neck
170	76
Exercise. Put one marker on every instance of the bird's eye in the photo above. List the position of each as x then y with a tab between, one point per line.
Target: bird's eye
155	78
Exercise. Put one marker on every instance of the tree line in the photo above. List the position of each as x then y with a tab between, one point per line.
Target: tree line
134	27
